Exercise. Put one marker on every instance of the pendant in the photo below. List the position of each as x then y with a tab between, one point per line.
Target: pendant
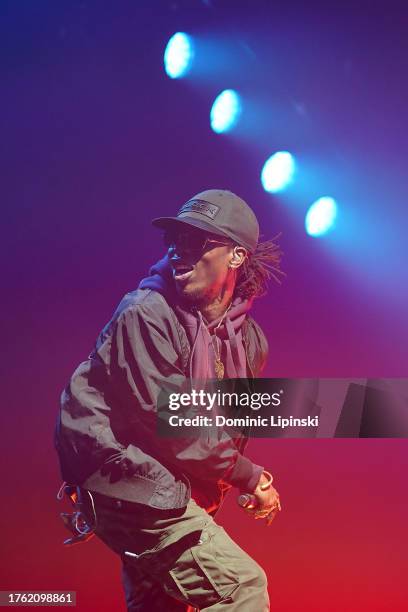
219	369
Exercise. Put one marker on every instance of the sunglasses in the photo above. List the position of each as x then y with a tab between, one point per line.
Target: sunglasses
191	243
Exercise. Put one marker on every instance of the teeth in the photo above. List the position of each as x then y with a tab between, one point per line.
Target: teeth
182	270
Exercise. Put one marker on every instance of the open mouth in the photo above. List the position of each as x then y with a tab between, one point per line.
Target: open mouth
181	272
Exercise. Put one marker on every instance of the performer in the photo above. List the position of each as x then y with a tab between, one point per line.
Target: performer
150	499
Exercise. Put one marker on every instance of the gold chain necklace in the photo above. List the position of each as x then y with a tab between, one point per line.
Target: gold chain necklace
218	365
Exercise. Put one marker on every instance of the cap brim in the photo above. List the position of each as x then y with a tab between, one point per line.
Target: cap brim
169	222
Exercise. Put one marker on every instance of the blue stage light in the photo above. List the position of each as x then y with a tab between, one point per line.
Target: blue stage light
278	172
321	216
225	111
178	55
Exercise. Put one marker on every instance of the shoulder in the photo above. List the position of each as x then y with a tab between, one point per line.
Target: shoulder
143	300
141	307
151	307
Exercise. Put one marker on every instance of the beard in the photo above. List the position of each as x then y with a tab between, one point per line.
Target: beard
195	296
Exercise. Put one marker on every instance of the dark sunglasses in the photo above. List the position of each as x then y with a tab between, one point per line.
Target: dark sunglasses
189	242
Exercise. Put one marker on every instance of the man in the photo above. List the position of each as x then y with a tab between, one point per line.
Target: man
151	499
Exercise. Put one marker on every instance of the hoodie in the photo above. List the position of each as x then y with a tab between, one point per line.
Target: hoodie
201	334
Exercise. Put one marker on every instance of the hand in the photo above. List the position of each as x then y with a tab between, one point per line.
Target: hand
267	501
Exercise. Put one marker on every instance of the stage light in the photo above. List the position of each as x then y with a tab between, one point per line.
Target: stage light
321	216
178	55
278	171
225	111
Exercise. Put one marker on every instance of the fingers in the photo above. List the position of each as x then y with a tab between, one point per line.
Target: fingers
271	516
263	513
267	507
269	513
273	513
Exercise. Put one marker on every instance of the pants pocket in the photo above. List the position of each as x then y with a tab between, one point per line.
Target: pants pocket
199	578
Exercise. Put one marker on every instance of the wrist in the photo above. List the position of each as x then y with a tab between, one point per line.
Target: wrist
245	475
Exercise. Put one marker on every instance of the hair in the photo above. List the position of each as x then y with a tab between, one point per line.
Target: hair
258	269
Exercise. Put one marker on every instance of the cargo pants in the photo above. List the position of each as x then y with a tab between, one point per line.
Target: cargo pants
173	559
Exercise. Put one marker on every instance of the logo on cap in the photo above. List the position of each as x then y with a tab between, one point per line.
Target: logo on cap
200	206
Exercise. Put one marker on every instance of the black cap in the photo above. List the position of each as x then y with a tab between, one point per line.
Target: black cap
220	212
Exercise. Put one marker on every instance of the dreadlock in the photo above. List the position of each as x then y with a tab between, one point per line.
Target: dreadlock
258	269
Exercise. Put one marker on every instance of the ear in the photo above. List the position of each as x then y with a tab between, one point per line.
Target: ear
238	256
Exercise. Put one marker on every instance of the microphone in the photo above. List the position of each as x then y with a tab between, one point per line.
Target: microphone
247	500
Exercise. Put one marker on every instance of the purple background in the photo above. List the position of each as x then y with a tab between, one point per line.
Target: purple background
96	141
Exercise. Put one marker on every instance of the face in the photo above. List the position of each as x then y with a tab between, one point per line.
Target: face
200	263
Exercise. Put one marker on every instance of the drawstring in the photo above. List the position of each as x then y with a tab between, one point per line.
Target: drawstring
233	344
80	517
200	326
60	493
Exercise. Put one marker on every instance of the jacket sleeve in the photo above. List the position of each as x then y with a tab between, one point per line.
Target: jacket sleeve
143	362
